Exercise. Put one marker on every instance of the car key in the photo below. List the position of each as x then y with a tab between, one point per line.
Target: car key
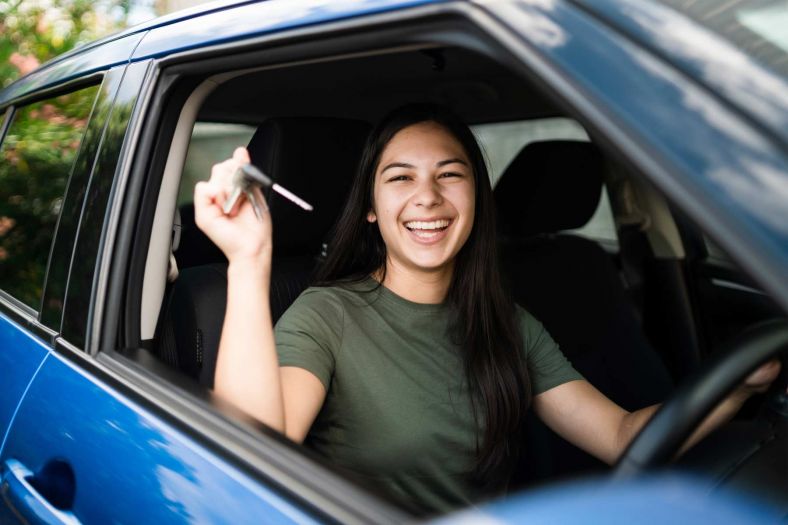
257	206
248	176
235	194
253	175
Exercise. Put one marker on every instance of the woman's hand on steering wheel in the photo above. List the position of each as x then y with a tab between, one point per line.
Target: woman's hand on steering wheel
240	235
760	380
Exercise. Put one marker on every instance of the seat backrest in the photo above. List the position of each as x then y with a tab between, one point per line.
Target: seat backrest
571	284
315	158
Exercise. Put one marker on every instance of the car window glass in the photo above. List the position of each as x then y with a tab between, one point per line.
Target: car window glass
36	158
501	142
211	143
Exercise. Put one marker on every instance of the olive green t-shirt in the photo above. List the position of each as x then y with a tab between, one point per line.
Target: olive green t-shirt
397	411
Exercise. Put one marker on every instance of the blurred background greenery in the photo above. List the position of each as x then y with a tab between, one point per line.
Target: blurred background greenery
34	31
43	138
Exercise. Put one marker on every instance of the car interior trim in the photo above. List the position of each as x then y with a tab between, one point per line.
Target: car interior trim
724	283
661	231
159	248
176	94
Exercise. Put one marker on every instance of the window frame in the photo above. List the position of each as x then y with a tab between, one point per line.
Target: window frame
265	454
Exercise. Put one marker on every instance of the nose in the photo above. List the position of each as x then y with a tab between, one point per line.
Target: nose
428	194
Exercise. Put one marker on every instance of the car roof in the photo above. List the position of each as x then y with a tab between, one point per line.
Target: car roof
122	47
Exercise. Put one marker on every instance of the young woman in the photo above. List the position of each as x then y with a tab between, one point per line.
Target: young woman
409	364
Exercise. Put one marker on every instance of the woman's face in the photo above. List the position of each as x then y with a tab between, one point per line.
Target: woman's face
424	198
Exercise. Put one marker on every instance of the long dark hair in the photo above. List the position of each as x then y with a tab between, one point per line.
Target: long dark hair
483	315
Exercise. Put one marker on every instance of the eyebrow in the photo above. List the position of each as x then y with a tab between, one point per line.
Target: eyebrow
411	166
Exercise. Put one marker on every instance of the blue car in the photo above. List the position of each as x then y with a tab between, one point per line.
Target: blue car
639	156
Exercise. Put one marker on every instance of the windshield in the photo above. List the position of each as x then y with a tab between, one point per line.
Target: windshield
757	27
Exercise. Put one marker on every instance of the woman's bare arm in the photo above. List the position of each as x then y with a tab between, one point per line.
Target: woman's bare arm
247	370
581	414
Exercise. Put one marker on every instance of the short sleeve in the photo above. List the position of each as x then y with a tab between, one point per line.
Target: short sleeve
309	333
547	365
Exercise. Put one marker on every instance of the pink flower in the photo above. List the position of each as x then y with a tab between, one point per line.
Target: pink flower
6	223
24	63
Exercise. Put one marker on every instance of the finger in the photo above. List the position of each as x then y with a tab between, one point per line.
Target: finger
205	203
222	172
241	156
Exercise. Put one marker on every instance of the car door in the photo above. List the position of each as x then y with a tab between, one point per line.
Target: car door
80	449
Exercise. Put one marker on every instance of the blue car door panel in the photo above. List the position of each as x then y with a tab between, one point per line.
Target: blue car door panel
21	355
104	459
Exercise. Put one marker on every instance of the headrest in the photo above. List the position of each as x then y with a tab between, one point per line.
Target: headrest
549	187
315	158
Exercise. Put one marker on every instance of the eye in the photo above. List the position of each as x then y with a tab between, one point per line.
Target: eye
397	178
450	174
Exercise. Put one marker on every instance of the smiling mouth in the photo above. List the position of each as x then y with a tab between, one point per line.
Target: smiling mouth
428	229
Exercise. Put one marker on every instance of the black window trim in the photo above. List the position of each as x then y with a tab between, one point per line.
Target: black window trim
57	232
55	90
8	115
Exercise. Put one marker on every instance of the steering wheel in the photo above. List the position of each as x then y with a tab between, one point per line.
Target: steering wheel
662	437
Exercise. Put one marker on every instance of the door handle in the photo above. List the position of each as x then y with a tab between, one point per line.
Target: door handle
29	503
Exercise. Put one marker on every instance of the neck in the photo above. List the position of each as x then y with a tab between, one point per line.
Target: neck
426	287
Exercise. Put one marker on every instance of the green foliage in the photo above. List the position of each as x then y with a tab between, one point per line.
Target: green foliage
43	140
44	29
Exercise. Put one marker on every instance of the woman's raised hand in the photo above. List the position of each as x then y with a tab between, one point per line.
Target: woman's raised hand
239	234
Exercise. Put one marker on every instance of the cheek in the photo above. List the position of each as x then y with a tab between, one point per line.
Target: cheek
388	205
464	199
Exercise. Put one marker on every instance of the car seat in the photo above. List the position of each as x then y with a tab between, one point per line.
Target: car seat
573	287
316	158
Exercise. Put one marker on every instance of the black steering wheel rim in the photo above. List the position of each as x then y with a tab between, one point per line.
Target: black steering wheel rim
660	440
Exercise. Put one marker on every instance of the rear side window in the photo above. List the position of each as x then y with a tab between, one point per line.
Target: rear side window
36	159
503	141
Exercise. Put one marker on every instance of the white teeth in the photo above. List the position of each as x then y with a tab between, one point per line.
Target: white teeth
425	234
423	225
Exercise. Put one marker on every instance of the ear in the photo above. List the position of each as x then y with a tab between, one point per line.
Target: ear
371	217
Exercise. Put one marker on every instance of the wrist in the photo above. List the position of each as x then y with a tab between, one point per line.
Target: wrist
249	269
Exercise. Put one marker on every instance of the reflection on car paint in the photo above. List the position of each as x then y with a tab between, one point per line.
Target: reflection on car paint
124	455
